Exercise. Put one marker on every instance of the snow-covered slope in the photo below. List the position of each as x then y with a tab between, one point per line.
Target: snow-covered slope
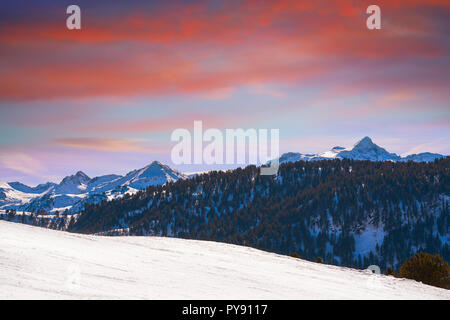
75	190
364	149
42	188
39	263
10	196
422	157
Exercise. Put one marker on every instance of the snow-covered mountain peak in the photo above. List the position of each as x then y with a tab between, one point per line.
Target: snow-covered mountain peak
73	184
3	184
154	168
156	163
155	173
365	142
39	189
79	178
157	168
423	157
366	149
82	175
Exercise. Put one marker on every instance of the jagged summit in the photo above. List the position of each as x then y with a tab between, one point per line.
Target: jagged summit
366	139
366	149
41	188
364	143
81	174
155	173
73	184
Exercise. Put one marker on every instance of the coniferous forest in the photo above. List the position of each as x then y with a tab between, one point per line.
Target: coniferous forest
349	213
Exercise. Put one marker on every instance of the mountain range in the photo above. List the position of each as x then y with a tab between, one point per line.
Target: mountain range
364	149
74	191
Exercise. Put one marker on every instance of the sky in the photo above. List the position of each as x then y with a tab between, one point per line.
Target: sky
106	98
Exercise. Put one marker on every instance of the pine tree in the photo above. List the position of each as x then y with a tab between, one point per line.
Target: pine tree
390	272
427	268
294	255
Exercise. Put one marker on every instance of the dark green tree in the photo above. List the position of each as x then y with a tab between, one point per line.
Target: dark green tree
427	268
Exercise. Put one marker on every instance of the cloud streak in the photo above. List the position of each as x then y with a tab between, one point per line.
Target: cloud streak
106	144
21	162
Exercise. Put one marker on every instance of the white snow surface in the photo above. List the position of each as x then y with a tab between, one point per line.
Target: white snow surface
38	263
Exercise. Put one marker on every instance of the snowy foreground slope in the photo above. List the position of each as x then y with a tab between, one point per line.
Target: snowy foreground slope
39	263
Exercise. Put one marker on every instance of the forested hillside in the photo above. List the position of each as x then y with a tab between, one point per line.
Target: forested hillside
351	213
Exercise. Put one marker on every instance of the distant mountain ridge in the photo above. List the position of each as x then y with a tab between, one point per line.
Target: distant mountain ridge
364	149
76	190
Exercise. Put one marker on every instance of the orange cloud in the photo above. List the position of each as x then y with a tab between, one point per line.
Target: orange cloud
196	48
106	144
169	123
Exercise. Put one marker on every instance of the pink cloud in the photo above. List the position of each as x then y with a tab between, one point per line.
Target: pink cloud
198	50
107	144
